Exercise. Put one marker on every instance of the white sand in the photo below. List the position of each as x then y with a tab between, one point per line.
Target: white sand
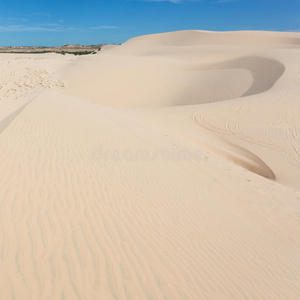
98	200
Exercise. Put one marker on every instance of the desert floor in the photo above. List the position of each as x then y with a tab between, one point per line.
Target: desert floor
164	168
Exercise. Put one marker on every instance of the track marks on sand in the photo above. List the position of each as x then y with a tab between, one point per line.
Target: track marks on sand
76	228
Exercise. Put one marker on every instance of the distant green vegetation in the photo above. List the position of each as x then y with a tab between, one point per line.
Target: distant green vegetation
77	52
58	52
26	52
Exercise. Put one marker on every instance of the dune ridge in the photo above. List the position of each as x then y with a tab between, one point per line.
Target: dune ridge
164	168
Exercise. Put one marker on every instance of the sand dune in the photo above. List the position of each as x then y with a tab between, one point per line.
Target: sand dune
165	168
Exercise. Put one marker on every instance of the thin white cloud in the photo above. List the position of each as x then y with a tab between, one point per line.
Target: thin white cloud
18	19
50	27
103	27
225	1
172	1
9	19
21	28
54	27
43	14
181	1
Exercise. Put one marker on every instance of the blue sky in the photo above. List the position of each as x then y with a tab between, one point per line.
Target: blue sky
60	22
